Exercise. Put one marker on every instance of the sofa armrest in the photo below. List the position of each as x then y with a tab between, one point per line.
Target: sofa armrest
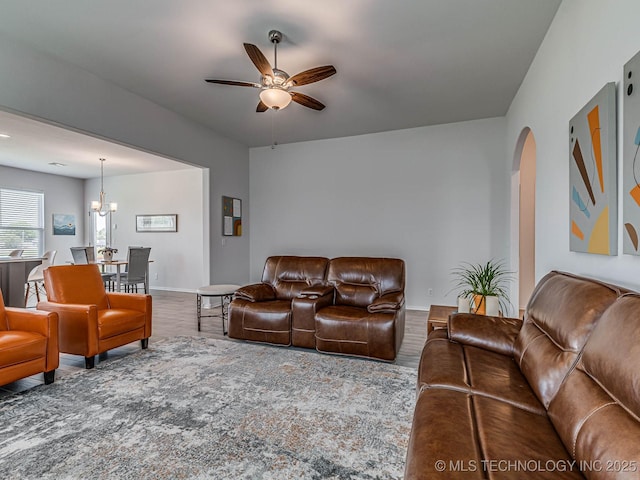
32	321
316	291
389	303
258	292
44	323
130	301
497	334
77	326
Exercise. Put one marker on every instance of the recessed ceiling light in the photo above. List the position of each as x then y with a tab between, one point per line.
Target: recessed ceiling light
57	164
5	135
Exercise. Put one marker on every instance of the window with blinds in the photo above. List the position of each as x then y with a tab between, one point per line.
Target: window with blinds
21	222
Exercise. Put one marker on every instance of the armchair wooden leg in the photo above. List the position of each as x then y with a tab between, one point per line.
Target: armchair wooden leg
89	362
49	377
144	343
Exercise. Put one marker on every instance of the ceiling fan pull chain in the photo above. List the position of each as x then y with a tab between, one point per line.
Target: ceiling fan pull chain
273	128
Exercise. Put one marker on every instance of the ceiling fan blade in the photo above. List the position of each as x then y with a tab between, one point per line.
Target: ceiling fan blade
312	75
306	101
261	107
259	60
234	82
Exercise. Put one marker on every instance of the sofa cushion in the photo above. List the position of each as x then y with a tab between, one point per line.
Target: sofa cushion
360	280
354	331
509	434
116	321
290	275
17	347
268	322
449	365
436	438
597	408
559	318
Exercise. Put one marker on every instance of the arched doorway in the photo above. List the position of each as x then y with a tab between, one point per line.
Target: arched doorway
524	196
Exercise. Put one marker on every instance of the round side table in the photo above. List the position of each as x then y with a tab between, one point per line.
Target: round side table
225	292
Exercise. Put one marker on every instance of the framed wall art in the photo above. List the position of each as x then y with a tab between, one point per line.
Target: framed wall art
593	209
64	224
231	217
631	161
157	223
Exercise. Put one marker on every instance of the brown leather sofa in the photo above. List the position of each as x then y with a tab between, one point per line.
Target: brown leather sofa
347	305
28	344
554	396
92	321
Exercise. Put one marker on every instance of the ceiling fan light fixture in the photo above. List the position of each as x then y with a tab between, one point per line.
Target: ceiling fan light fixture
275	98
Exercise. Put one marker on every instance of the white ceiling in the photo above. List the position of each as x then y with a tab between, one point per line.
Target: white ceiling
34	145
400	63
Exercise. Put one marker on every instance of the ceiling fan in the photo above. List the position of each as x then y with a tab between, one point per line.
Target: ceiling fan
276	85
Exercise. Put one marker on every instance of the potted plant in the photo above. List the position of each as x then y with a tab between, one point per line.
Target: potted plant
479	281
107	253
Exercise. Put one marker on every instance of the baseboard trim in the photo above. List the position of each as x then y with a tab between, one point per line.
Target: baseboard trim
173	289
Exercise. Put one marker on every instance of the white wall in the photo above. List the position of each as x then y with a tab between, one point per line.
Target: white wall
177	257
61	195
45	87
586	46
433	196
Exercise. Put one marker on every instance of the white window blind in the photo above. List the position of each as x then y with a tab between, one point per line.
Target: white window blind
21	222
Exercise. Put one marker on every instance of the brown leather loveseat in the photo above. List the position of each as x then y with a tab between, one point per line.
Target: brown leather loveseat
347	305
554	396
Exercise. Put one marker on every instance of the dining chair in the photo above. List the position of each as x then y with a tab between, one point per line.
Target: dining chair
16	253
137	268
35	280
79	255
85	255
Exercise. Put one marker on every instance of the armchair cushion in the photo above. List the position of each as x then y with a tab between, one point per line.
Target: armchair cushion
258	292
116	321
18	347
77	284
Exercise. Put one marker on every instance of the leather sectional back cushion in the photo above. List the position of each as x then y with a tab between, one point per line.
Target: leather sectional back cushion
359	281
289	275
560	316
597	408
78	284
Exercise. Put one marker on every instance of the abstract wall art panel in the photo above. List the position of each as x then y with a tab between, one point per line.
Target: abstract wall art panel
231	216
593	208
630	158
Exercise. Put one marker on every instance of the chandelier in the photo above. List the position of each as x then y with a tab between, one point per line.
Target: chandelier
100	206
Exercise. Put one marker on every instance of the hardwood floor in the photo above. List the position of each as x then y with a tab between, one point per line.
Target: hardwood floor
174	314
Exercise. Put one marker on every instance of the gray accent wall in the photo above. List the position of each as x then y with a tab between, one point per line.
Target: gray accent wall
433	196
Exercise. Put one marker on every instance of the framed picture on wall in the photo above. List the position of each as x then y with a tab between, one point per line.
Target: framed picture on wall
231	217
64	224
157	223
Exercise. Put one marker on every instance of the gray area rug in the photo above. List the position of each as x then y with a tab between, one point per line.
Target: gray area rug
201	408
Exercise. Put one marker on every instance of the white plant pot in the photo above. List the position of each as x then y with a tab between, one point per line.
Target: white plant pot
107	256
493	306
463	305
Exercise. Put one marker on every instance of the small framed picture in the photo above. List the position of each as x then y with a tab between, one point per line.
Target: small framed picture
157	223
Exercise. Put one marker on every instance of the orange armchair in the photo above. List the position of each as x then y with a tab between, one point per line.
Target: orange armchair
92	321
28	344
